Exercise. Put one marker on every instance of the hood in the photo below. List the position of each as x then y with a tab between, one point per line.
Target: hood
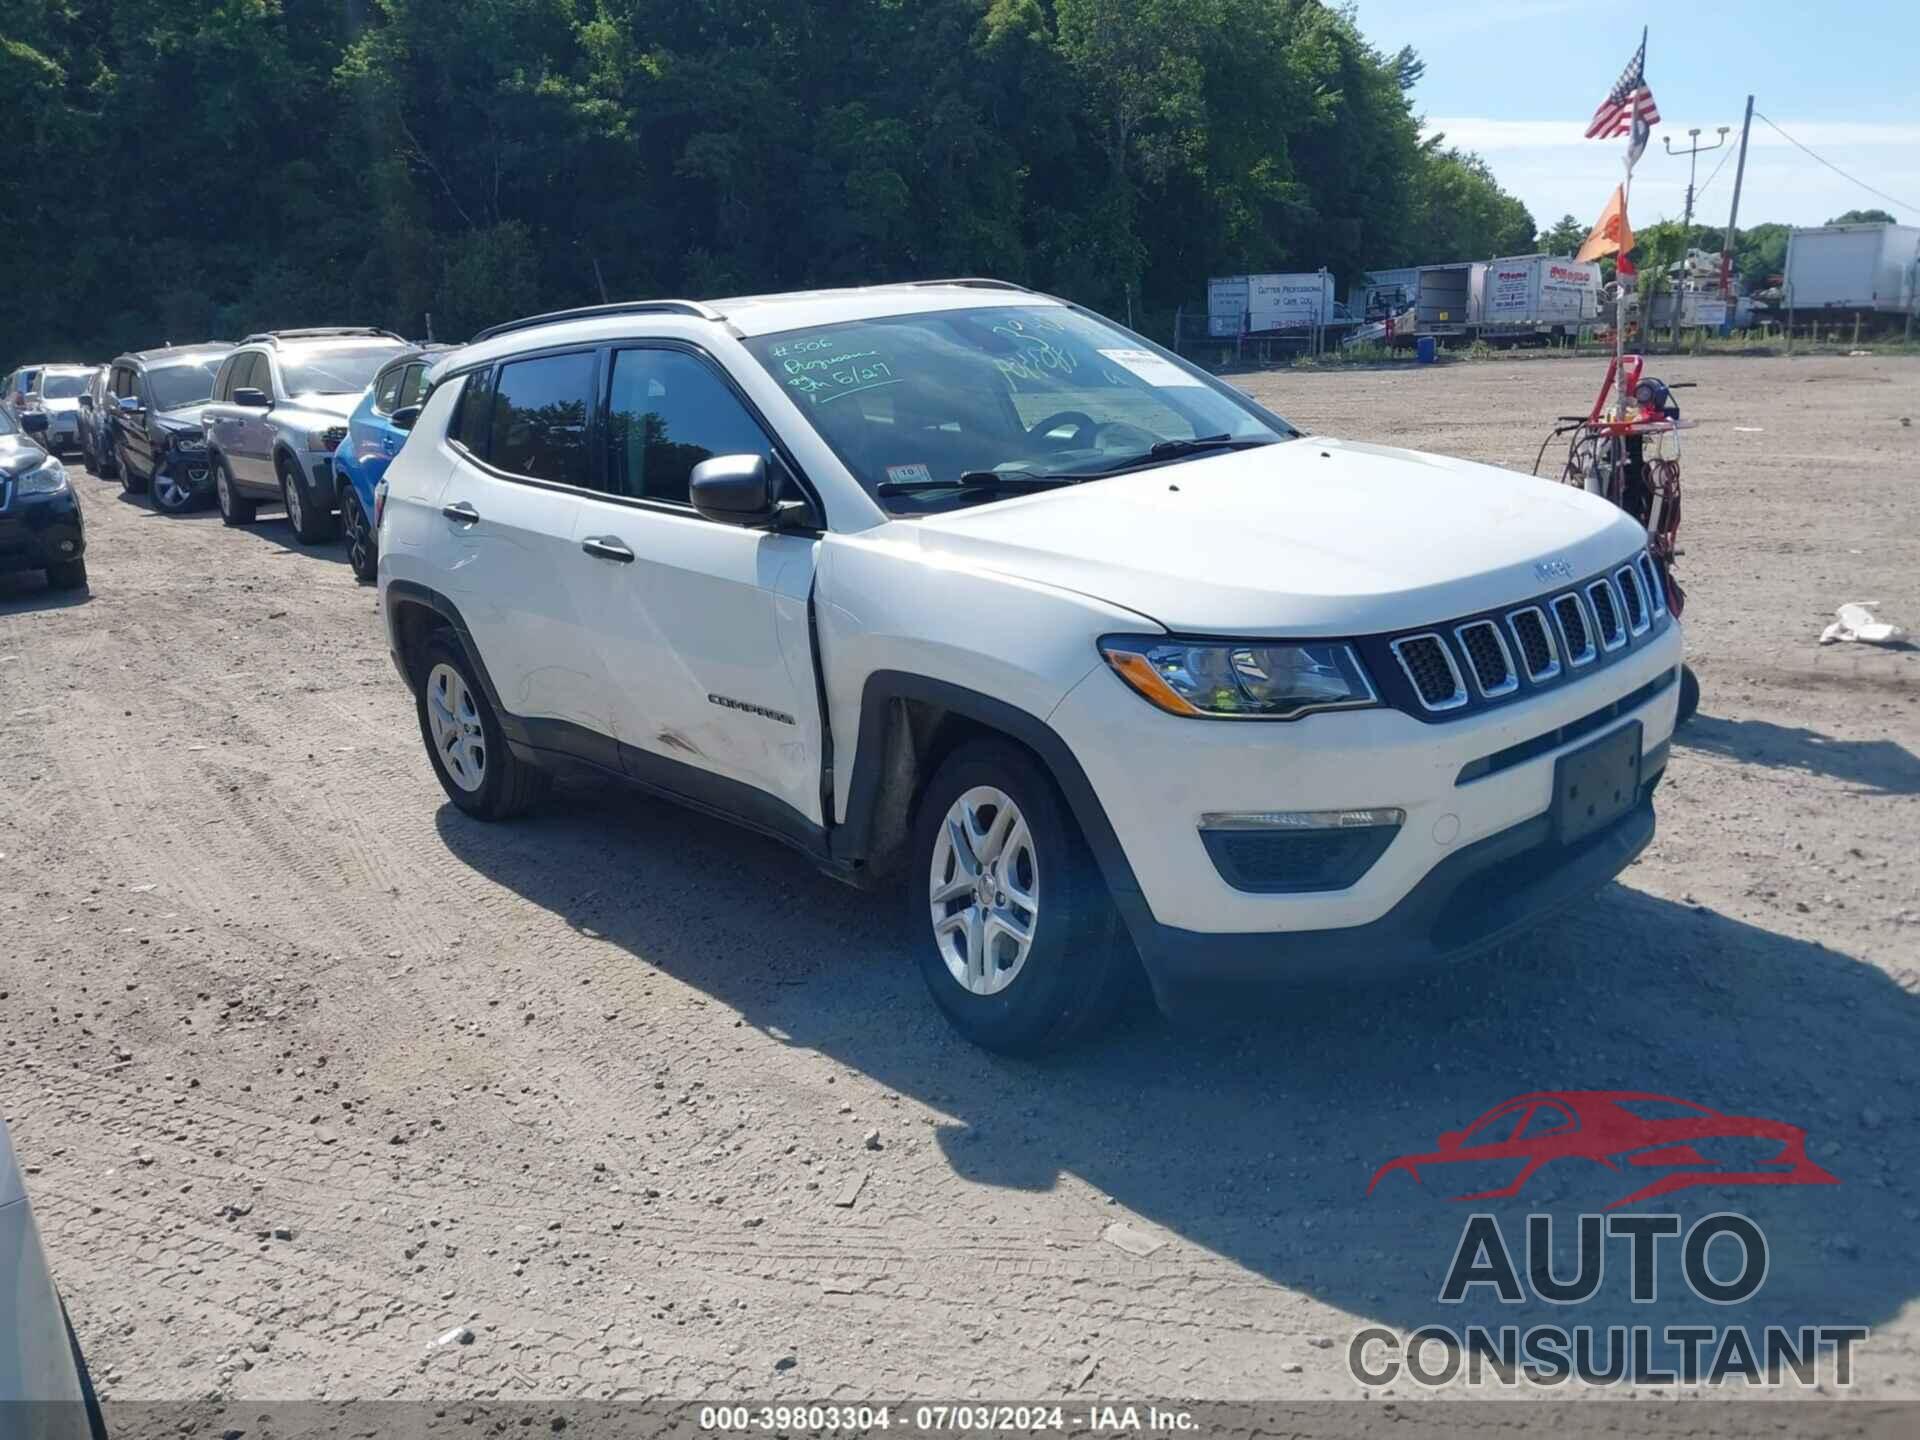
1309	537
18	455
183	417
340	405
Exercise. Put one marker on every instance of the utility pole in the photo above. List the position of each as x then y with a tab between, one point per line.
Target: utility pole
1733	221
1693	153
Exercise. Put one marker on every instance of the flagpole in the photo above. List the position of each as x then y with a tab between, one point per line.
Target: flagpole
1626	195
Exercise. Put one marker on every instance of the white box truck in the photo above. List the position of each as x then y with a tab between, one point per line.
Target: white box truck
1540	290
1445	299
1853	267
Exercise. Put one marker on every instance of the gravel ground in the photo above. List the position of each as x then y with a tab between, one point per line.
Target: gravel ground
308	1069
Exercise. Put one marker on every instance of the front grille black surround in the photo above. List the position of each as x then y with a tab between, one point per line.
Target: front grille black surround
1296	862
1554	639
1627	581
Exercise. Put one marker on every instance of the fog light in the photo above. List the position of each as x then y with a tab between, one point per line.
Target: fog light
66	547
1292	852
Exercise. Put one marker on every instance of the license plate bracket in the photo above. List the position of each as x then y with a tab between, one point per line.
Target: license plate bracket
1596	784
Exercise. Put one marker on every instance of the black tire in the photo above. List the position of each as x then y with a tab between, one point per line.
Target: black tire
190	499
131	483
1078	966
1689	695
235	509
106	465
363	544
509	786
311	524
68	575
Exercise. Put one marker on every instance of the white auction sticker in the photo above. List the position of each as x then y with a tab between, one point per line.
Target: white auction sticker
1152	368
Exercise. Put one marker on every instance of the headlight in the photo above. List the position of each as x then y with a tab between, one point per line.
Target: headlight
1244	680
327	440
48	479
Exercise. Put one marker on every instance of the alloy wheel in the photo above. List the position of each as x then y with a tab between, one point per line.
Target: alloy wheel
291	487
359	538
169	493
458	736
983	890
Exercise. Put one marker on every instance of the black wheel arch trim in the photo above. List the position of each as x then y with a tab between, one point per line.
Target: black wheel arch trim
852	838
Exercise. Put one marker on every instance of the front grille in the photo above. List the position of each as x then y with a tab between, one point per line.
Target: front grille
1606	615
1573	629
1635	598
1429	665
1536	643
1487	658
1650	573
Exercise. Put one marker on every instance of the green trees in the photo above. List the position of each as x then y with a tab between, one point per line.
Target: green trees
224	165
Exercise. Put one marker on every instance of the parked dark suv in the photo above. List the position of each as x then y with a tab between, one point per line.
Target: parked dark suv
40	523
154	399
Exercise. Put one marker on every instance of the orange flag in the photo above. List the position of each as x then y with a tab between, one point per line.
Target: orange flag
1611	234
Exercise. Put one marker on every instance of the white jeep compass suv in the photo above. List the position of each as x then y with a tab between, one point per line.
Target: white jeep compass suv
966	583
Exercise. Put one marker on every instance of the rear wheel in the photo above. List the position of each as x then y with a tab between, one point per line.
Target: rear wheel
1022	947
470	756
234	510
362	544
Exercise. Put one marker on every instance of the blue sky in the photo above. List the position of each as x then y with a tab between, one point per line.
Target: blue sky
1517	80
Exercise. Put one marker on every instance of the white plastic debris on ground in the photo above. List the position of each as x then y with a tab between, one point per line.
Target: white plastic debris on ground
1857	622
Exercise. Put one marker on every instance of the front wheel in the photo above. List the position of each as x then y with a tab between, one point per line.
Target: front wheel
1021	944
1689	695
172	494
311	524
234	510
363	552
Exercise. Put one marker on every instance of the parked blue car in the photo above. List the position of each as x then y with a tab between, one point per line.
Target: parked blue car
375	432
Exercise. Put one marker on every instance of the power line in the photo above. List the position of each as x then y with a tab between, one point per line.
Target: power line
1891	200
1710	179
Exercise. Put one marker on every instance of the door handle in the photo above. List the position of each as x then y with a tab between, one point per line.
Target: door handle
607	547
461	513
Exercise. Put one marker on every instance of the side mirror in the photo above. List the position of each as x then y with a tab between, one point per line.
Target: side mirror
406	417
86	402
35	422
742	490
249	398
129	405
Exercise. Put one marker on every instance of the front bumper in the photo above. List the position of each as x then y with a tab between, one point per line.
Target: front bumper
192	468
40	530
1471	788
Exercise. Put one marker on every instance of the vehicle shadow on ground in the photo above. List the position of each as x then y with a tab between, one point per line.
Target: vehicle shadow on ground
22	591
271	526
1880	767
1256	1141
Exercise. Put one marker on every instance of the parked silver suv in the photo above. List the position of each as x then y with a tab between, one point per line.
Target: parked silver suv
279	410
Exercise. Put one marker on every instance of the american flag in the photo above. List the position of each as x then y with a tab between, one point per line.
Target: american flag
1629	101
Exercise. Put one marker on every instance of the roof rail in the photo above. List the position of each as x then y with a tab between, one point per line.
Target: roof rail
971	282
319	332
596	312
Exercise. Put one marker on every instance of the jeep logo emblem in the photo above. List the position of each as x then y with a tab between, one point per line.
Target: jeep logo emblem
1552	570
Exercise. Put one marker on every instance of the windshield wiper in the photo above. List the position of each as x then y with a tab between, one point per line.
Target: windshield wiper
976	480
1168	450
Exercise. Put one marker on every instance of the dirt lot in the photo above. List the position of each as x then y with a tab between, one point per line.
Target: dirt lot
307	1068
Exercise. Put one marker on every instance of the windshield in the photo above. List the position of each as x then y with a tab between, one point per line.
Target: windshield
912	403
171	386
64	387
336	372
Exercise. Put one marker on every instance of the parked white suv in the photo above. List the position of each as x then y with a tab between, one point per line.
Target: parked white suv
45	1390
967	583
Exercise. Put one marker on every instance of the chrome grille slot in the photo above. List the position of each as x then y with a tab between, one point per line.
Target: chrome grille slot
1606	614
1535	638
1429	667
1650	573
1488	659
1571	616
1635	596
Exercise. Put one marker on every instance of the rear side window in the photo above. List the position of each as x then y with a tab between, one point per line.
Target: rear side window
413	385
471	419
386	390
539	418
669	412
